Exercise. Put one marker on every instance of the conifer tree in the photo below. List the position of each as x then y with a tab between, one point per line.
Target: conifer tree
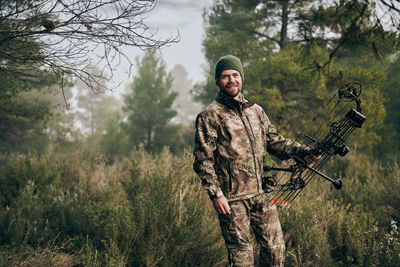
293	53
95	106
185	106
148	105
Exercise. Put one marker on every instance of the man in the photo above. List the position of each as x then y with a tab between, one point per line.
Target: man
232	137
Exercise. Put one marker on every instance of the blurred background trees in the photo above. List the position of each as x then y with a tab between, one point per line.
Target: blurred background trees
186	108
148	105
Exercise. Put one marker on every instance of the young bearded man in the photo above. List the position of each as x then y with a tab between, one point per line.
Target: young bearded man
232	138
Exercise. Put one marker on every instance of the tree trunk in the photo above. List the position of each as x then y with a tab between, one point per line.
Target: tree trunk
285	20
148	143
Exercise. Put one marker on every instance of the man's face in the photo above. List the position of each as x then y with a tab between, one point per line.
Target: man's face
230	82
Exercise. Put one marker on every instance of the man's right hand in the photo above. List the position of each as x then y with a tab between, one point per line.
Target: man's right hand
221	205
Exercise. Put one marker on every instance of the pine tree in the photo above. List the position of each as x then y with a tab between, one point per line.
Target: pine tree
184	104
293	51
95	106
148	105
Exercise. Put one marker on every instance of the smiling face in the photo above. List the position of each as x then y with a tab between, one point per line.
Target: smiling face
230	82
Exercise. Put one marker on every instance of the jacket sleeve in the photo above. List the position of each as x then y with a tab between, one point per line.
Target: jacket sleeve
205	145
278	145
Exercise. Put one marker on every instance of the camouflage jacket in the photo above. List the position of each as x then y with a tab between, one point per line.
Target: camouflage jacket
231	141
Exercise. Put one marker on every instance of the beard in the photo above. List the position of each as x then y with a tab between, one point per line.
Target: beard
231	90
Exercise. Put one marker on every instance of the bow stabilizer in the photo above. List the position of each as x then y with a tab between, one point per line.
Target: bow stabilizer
300	172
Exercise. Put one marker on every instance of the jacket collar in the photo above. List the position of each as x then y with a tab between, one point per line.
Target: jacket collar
232	103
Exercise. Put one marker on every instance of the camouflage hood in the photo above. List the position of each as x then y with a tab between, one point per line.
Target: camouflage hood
232	138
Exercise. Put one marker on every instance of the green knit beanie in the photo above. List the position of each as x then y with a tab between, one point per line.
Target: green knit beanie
228	62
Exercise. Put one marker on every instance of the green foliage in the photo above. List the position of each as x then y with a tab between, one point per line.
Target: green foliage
292	74
350	225
389	246
95	106
375	182
372	80
285	90
170	223
336	235
392	95
23	114
140	211
114	140
22	56
150	210
148	105
29	99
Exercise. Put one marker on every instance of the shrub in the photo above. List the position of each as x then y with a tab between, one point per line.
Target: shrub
79	208
142	210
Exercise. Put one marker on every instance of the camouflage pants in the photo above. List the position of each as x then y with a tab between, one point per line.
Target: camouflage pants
264	220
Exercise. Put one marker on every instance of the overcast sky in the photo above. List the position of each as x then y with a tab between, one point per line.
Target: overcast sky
172	17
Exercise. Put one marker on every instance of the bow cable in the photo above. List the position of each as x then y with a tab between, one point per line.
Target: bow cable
297	173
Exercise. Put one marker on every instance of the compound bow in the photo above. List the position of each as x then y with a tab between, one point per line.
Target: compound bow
332	144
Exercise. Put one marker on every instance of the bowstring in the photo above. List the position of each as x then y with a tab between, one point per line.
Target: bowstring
289	195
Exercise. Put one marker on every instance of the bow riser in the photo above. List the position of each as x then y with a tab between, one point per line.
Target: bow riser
332	144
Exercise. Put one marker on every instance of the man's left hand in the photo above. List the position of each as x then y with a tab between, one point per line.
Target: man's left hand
310	157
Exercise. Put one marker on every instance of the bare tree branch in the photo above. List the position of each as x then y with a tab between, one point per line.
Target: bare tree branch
66	36
391	5
391	9
260	34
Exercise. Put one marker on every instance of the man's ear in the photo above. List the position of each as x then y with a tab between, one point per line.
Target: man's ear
216	81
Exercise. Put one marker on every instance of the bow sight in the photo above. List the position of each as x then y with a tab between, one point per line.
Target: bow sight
332	144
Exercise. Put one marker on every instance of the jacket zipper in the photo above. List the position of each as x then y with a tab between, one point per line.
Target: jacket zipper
252	148
254	157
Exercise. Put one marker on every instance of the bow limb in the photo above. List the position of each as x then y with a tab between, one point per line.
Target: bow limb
332	144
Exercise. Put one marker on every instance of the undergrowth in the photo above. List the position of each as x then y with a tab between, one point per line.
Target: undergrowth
81	209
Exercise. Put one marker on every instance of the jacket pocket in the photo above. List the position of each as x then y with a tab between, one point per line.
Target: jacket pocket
240	182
